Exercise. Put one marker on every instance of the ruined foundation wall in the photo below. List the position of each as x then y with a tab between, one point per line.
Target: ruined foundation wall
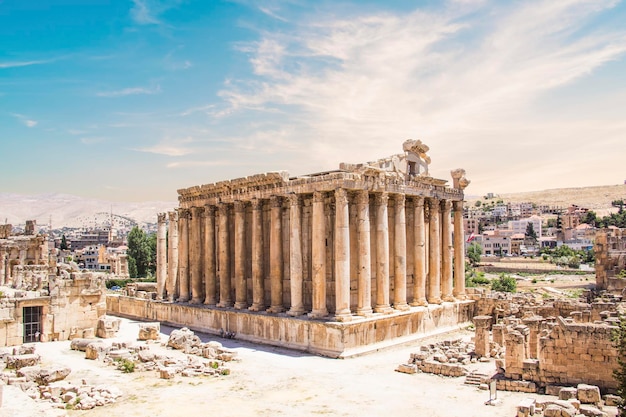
333	339
578	353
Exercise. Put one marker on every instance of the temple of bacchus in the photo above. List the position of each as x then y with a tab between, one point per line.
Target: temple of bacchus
334	262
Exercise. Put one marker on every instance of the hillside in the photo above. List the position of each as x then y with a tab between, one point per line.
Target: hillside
73	211
597	198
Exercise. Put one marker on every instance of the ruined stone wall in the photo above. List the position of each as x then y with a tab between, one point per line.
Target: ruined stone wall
610	251
69	307
573	353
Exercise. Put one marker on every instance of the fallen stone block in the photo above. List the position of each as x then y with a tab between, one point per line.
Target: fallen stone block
107	327
567	392
612	400
588	394
591	411
80	344
556	411
406	369
526	407
167	373
96	350
20	361
183	339
44	376
149	331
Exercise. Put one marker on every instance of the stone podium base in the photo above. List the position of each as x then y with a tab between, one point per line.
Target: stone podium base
319	336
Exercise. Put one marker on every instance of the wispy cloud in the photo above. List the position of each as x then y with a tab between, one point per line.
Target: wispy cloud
25	120
169	147
355	87
14	64
129	91
193	164
147	12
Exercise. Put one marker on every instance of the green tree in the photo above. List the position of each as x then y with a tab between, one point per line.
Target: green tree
473	253
530	232
140	251
504	283
64	245
619	342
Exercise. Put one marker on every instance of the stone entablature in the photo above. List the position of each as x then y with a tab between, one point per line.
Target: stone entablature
264	186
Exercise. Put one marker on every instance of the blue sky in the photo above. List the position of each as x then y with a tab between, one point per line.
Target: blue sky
132	100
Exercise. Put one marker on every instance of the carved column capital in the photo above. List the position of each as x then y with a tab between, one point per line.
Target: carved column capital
223	209
446	205
276	201
400	199
418	201
294	199
458	205
363	198
173	215
319	197
434	205
196	211
341	196
256	203
240	206
183	214
161	217
382	199
209	210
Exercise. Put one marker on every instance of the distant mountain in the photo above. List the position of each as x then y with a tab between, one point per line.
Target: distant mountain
597	198
74	211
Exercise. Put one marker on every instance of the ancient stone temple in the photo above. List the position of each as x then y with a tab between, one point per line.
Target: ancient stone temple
359	245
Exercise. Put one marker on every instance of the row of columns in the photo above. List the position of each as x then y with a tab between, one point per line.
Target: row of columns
192	255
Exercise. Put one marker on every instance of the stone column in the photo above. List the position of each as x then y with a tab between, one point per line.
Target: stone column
364	303
2	267
172	252
382	255
183	256
295	255
399	286
258	290
210	273
195	258
446	249
161	254
224	257
241	300
481	335
516	341
419	261
342	256
434	255
534	326
276	255
318	256
459	252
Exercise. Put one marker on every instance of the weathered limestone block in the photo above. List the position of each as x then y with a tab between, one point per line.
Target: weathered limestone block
107	327
21	361
567	392
96	350
588	394
591	411
89	333
526	407
612	400
167	373
24	350
183	339
119	354
149	331
554	410
406	369
80	344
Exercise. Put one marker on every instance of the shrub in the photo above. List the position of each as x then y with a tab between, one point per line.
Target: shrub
504	283
126	366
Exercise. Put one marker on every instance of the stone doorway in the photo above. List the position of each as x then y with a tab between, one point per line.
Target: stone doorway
32	324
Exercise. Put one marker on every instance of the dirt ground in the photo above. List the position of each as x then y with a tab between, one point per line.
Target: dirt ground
268	381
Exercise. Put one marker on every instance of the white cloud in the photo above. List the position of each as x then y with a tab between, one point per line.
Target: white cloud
129	92
169	147
25	120
14	64
142	14
458	78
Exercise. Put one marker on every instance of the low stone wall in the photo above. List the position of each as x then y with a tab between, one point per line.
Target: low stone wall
327	338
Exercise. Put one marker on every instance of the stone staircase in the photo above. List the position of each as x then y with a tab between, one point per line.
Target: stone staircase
476	378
